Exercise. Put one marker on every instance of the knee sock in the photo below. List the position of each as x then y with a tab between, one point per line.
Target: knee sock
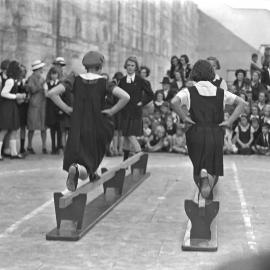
126	154
53	131
13	148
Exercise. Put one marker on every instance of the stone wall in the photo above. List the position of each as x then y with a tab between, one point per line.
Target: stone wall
151	30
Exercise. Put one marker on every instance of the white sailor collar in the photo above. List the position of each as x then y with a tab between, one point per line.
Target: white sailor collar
131	77
90	76
206	88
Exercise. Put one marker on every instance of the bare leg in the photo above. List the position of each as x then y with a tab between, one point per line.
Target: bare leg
135	144
30	138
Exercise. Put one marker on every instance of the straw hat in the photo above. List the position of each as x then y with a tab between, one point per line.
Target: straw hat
59	61
37	65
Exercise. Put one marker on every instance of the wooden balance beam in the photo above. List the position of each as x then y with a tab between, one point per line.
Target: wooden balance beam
201	231
73	205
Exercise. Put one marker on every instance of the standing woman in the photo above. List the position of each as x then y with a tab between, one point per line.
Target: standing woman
9	113
218	81
91	124
205	136
175	66
36	86
23	108
185	67
131	117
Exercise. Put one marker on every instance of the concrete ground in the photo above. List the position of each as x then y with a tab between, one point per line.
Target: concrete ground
145	231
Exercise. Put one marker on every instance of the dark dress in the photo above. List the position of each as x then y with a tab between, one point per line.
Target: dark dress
65	119
9	113
131	115
90	130
52	117
205	139
244	137
23	107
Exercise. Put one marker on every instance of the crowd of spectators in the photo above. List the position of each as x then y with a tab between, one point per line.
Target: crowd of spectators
162	129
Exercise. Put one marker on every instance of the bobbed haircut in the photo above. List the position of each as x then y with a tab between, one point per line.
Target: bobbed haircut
147	69
134	60
202	71
185	57
14	70
53	70
4	64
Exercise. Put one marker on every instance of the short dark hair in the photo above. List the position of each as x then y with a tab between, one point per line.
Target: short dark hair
14	70
95	67
202	71
254	55
147	69
4	64
185	57
52	70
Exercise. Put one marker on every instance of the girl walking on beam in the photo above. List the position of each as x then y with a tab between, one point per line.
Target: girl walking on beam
205	136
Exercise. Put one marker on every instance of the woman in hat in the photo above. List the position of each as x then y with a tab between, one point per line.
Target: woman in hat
9	113
36	86
166	90
91	125
205	136
131	116
218	81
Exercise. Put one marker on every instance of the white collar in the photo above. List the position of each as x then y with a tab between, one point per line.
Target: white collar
90	76
217	77
205	88
131	76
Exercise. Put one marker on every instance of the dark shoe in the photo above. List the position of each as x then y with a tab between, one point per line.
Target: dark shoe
94	177
31	151
73	176
205	187
6	155
44	151
18	156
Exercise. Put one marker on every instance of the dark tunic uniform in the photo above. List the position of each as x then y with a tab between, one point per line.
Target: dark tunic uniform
23	107
205	139
52	118
131	115
9	113
90	130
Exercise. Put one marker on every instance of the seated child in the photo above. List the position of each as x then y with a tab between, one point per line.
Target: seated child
255	129
266	114
179	141
229	147
170	128
158	141
143	140
255	112
244	136
262	144
261	102
158	102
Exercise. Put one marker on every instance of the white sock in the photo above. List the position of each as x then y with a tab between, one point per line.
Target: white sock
13	148
1	144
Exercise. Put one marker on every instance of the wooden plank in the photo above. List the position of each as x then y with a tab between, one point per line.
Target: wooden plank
89	186
95	211
211	245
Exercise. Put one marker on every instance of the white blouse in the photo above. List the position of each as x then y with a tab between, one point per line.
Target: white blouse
205	88
5	93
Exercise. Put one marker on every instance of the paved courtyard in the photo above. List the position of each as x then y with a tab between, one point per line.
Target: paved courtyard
144	231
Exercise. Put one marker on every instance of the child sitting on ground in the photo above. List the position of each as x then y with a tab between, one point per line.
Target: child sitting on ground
229	147
266	114
143	140
262	144
170	127
179	140
244	136
158	141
